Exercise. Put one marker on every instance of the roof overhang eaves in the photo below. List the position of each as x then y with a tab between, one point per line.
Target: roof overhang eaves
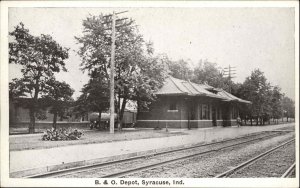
242	101
209	95
173	94
247	102
239	101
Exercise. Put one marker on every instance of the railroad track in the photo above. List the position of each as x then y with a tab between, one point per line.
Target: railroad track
263	135
243	165
289	171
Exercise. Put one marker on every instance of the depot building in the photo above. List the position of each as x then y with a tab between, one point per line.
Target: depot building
183	104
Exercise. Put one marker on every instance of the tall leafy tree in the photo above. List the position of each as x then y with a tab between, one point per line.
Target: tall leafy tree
276	102
133	70
207	72
59	94
80	107
94	97
149	78
288	106
180	69
257	90
40	57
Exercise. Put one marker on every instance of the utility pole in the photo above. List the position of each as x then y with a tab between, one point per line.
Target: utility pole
112	67
229	71
112	76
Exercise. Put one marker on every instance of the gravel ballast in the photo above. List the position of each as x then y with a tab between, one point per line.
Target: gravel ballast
171	170
273	165
215	163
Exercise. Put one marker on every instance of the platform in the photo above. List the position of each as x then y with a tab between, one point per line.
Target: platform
29	162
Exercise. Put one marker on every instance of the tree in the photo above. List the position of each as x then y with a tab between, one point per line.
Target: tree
79	107
133	72
207	72
288	106
257	90
59	94
276	103
94	97
149	79
180	69
40	57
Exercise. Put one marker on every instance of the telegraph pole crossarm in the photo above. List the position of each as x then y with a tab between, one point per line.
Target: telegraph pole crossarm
229	72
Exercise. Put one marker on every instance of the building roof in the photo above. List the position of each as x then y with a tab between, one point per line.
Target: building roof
174	86
230	97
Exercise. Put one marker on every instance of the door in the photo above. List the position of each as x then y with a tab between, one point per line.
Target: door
192	114
214	116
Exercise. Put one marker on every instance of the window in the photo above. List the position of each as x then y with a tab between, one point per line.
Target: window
234	113
205	111
173	107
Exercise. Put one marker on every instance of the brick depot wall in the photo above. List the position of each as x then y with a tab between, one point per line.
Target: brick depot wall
220	123
230	122
183	124
158	115
161	124
201	124
176	124
159	110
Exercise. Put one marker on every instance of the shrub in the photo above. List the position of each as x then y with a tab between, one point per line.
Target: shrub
61	134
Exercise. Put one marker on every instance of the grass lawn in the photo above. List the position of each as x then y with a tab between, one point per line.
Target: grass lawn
34	141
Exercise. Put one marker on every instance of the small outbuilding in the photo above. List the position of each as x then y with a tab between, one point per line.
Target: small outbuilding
183	104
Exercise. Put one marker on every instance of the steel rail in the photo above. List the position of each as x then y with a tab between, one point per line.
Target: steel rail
99	165
288	172
133	158
145	167
252	160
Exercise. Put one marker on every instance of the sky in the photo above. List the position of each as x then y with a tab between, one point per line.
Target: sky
245	38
